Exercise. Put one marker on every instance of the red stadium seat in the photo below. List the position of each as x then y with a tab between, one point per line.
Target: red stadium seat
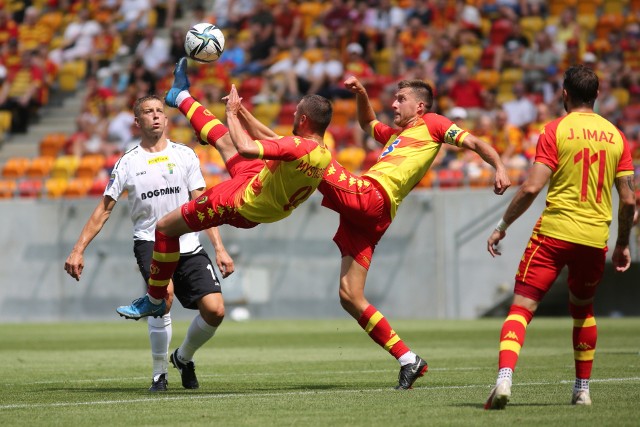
450	178
30	188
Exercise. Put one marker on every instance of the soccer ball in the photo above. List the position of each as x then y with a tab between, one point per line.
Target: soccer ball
204	42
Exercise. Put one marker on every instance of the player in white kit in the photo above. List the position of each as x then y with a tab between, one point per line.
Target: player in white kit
160	175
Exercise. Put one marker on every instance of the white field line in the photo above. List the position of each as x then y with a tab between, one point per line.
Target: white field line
277	394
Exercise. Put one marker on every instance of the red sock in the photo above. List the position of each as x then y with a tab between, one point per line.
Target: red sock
512	336
207	126
166	255
585	335
374	323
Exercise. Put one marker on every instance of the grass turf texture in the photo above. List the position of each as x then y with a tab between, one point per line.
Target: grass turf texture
311	373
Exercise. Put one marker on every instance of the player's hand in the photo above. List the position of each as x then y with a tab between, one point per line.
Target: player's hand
224	263
233	101
492	242
502	182
74	265
621	258
354	85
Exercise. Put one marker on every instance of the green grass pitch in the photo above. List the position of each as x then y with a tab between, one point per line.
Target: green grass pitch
311	373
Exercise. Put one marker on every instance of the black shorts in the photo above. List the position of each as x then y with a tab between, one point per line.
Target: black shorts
194	277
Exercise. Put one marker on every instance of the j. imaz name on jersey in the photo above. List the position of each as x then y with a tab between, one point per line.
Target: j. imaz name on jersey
160	192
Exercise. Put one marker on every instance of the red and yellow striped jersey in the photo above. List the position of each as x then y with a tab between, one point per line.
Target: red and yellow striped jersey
408	153
586	153
293	169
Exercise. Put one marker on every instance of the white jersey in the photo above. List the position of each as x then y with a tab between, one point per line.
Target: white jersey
157	183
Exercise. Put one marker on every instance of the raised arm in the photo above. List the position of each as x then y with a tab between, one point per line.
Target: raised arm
538	176
223	259
255	128
245	145
366	115
621	256
75	261
489	155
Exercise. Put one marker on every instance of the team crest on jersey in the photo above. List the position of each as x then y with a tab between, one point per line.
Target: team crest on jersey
171	166
201	200
390	148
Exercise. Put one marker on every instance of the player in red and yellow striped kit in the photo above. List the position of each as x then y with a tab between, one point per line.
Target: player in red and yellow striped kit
269	179
582	156
367	204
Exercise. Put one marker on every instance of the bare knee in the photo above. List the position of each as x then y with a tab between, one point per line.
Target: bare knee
211	309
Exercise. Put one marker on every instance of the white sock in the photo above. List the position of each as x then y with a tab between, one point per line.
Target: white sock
504	374
160	332
407	358
182	96
154	301
199	332
581	384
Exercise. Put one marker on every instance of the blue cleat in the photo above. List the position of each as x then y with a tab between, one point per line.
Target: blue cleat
142	307
180	83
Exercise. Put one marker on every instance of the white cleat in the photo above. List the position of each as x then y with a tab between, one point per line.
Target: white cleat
581	397
499	396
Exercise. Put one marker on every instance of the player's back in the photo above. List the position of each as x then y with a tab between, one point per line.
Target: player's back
282	185
586	153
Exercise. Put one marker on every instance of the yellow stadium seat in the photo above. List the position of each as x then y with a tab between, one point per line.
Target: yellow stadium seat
383	60
15	167
622	95
587	23
267	113
531	25
471	54
614	6
5	121
489	79
55	187
351	158
65	167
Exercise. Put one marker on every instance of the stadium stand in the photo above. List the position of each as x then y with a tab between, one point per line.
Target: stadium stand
73	148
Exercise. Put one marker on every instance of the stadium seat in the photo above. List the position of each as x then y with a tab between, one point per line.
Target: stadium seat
531	25
78	187
342	135
90	165
483	179
111	161
487	57
267	113
557	6
344	111
30	188
508	78
631	113
500	30
612	6
634	6
15	167
351	158
450	178
488	78
182	134
607	23
5	121
7	188
65	166
55	187
97	187
70	75
471	54
516	175
428	179
383	60
40	167
250	87
589	7
285	116
51	144
587	23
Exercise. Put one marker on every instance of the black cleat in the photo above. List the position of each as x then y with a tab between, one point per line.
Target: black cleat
160	383
187	371
410	373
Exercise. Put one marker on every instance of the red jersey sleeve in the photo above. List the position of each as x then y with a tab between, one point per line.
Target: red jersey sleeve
286	148
382	133
443	130
546	149
626	161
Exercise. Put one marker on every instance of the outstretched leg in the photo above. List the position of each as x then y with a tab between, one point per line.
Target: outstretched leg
352	281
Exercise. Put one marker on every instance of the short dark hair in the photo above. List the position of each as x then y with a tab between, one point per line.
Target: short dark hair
318	110
581	84
140	101
421	89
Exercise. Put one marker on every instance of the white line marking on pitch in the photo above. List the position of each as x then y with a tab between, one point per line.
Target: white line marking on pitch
292	393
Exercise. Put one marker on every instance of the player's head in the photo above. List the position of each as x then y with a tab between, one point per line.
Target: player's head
314	112
149	116
580	87
413	99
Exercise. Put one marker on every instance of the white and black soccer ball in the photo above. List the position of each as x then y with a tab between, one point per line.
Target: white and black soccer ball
204	42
